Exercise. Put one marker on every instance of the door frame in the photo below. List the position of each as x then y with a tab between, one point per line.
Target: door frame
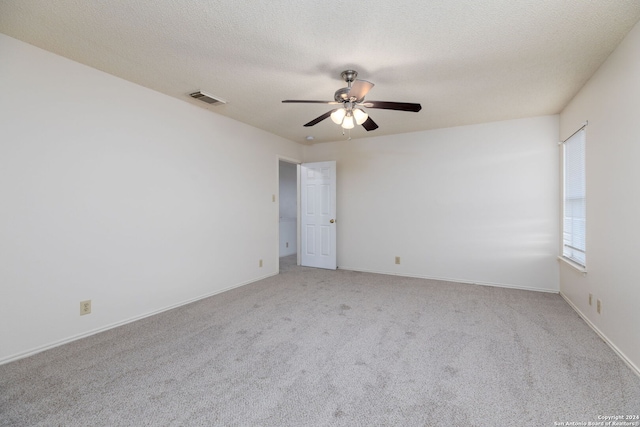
296	162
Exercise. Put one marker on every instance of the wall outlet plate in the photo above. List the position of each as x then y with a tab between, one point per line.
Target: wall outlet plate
397	260
85	307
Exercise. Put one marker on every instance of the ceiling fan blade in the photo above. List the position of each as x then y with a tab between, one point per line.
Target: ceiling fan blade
359	89
369	125
401	106
319	119
305	101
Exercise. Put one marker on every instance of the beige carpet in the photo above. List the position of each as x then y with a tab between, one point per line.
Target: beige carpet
331	348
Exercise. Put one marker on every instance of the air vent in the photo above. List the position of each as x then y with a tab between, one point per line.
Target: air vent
209	99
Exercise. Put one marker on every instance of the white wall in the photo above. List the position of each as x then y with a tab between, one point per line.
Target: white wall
610	101
474	204
288	208
122	195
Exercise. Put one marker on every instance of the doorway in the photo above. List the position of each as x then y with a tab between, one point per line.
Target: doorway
306	234
288	211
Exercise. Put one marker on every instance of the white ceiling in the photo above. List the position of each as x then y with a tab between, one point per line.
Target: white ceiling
465	61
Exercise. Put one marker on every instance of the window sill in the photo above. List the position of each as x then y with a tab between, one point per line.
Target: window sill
578	267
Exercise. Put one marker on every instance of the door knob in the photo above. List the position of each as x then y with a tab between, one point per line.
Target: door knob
332	221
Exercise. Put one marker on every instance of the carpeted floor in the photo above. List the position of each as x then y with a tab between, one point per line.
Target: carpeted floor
332	348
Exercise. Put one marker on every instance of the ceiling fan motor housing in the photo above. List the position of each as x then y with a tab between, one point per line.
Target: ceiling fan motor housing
342	94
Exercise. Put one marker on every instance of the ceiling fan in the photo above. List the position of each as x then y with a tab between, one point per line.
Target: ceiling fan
351	98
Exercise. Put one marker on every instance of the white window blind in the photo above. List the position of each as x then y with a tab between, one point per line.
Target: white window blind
574	216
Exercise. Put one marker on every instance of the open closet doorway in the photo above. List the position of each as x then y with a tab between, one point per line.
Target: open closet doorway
288	213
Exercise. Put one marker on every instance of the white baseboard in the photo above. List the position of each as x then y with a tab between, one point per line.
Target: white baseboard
620	354
36	350
448	279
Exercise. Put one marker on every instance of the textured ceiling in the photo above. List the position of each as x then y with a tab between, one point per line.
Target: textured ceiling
464	61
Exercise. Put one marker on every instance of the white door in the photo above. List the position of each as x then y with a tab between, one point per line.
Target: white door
318	214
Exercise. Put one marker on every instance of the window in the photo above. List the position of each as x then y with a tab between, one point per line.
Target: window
574	209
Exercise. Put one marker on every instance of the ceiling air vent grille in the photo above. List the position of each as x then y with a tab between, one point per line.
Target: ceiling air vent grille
205	97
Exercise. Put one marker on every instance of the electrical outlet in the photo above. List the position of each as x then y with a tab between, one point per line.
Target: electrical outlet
397	260
590	299
85	307
598	306
260	263
273	197
287	245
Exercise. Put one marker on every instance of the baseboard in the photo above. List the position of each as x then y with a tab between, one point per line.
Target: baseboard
448	279
604	338
58	343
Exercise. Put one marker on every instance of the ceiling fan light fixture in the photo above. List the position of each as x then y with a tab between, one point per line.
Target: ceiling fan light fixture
338	115
348	121
360	115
